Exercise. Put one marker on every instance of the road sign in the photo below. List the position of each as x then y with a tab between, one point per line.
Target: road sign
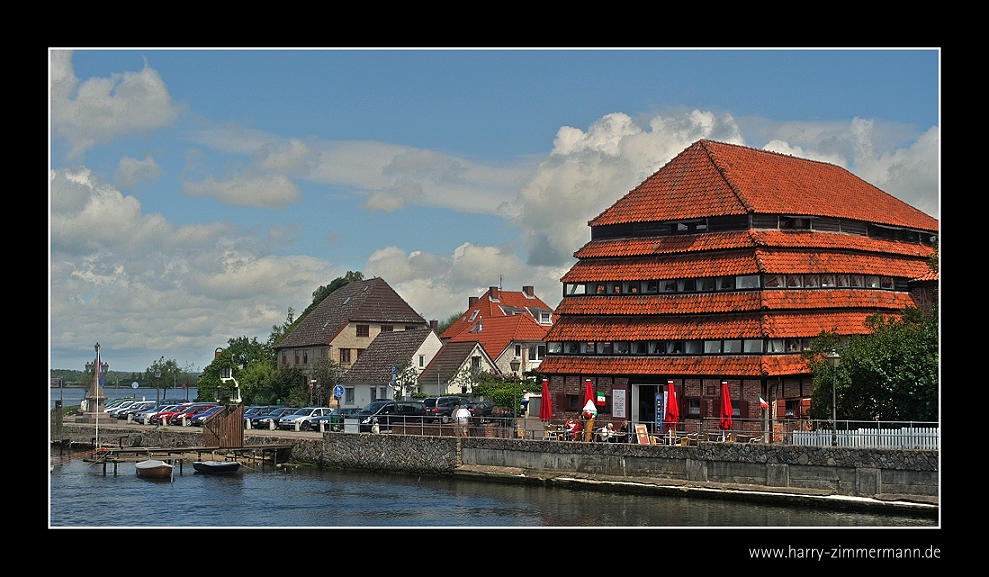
338	391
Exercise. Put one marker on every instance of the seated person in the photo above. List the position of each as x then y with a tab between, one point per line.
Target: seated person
575	431
622	436
608	433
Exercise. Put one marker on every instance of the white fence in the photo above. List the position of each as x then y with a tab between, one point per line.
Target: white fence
871	438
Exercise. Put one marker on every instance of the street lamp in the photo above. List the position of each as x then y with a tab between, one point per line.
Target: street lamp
158	384
834	359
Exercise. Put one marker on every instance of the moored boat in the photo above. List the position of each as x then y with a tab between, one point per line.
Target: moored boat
216	467
154	469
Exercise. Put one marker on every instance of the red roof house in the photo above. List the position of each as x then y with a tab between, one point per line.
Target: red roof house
509	325
723	266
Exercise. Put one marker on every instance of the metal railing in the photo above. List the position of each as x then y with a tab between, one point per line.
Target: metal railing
801	432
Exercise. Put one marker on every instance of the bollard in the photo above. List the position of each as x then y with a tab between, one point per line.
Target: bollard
146	418
247	424
271	425
184	424
130	419
322	427
297	425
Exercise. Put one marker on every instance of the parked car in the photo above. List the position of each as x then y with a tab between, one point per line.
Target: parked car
163	415
303	417
139	409
264	420
189	412
441	408
482	410
332	421
134	408
114	410
200	418
386	413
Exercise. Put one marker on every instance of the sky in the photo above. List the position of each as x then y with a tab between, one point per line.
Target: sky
195	196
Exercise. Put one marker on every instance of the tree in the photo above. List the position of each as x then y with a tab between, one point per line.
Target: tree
318	295
165	374
504	390
448	322
890	374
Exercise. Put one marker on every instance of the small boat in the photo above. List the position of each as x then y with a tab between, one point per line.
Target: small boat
216	467
154	469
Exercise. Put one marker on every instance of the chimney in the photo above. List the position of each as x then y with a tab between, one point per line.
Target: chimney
435	326
529	290
471	301
493	293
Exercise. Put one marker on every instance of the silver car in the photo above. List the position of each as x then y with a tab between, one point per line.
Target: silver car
303	417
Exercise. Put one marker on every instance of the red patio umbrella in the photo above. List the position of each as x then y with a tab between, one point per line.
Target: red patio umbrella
726	411
589	398
588	391
545	405
672	408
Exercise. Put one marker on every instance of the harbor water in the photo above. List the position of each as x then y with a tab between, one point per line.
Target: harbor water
82	496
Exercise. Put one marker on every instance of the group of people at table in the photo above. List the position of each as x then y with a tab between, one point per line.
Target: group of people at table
573	430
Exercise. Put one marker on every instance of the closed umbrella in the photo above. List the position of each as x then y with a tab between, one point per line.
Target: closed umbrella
672	408
546	405
726	411
590	411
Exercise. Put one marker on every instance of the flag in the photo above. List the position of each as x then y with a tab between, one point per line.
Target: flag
763	403
99	368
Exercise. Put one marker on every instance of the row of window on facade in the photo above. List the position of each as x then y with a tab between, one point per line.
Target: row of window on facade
680	347
732	283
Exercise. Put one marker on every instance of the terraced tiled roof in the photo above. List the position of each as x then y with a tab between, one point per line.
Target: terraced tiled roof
712	179
748	238
754	365
755	325
371	300
703	303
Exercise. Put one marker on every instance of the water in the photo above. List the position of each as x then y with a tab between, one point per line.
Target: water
80	496
73	396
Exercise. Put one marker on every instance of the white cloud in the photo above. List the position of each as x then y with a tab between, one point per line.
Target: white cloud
130	171
144	286
438	286
387	176
589	171
102	109
264	190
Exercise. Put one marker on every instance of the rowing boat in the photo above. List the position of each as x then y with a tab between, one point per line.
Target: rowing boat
154	469
216	467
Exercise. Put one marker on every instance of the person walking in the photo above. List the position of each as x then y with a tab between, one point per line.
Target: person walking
463	416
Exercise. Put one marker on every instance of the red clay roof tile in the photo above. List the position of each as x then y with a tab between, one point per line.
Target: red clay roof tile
755	366
487	307
700	303
785	324
747	238
712	178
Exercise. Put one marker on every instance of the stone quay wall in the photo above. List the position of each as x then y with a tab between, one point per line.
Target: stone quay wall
840	471
835	470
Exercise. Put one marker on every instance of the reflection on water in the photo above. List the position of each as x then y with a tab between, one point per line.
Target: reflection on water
80	496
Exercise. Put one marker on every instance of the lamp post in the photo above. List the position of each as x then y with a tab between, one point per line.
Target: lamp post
158	385
515	364
834	359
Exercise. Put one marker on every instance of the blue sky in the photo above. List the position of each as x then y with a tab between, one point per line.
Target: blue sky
196	195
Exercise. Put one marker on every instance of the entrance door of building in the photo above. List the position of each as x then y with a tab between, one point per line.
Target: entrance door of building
644	404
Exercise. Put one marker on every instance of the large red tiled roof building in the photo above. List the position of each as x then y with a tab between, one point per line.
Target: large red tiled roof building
723	266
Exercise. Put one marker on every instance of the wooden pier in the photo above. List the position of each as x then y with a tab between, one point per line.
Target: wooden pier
259	455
